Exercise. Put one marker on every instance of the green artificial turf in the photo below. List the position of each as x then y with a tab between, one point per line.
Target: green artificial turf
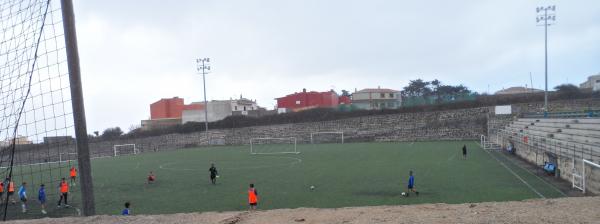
352	174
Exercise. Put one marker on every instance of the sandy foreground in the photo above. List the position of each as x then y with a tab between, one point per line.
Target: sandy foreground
563	210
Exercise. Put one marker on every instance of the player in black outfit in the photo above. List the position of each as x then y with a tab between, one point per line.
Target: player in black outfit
464	151
213	173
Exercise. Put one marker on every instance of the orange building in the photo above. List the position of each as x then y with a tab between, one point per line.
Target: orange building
171	108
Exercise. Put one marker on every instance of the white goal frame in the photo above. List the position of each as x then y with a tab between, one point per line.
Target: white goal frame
326	132
60	156
579	179
270	153
135	150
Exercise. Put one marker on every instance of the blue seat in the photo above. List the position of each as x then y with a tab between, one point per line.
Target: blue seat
550	168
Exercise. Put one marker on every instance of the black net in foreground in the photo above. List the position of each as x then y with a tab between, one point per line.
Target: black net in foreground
37	131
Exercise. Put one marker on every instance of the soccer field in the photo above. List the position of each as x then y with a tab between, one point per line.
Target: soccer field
356	174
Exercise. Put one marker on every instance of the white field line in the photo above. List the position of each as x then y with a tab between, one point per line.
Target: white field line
544	181
515	174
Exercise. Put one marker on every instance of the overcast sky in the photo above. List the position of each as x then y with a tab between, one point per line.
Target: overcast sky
134	53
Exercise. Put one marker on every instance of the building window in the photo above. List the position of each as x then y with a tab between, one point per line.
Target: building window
391	95
235	108
382	95
297	102
244	108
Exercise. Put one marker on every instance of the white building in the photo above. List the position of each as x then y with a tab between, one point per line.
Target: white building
376	99
593	82
220	109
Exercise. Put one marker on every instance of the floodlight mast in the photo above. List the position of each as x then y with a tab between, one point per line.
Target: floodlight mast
203	67
545	17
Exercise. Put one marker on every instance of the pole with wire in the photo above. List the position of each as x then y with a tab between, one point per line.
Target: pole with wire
545	17
203	68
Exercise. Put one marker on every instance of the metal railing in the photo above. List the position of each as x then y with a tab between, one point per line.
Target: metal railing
563	148
564	114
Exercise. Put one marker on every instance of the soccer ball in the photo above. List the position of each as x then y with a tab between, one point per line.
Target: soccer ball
404	194
312	187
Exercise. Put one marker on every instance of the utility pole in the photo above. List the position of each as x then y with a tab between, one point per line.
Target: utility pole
203	68
543	16
83	151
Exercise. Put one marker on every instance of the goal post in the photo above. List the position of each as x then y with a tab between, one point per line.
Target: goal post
125	149
267	146
588	170
327	137
67	156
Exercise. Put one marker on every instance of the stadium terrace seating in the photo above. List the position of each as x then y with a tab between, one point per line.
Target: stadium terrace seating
550	132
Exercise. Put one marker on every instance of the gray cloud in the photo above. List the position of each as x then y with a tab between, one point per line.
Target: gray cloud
135	52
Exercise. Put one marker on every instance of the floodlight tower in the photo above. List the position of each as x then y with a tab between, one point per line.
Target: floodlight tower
203	68
545	17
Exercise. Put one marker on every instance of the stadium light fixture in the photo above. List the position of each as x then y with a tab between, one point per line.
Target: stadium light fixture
545	17
203	68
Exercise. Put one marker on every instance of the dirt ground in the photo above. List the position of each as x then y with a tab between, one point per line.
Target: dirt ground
563	210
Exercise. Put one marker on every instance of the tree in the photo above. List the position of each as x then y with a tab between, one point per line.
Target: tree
345	93
417	87
568	90
96	133
111	133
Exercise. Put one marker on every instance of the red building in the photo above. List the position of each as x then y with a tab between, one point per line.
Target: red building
308	100
170	108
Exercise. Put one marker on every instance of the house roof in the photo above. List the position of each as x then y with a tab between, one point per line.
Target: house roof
518	89
377	90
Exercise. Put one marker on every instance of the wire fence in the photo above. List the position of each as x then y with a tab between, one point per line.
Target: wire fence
35	101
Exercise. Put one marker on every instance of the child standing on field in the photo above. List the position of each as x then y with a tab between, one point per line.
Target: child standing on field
23	196
151	177
73	175
252	197
42	198
411	184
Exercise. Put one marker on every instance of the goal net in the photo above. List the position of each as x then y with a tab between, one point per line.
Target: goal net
327	137
273	145
125	149
586	174
67	156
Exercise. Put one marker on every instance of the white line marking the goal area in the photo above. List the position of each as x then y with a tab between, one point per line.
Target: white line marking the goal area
515	174
166	166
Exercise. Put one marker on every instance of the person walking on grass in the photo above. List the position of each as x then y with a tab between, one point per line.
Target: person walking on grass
42	198
213	173
411	184
464	151
63	187
252	197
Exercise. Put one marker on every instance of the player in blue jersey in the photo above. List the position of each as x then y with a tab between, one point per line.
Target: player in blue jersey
23	197
42	198
126	210
411	184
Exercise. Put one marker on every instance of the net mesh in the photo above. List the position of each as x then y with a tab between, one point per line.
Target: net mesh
37	124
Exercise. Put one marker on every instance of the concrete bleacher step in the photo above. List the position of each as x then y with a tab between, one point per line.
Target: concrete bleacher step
590	136
584	136
563	120
594	147
563	125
